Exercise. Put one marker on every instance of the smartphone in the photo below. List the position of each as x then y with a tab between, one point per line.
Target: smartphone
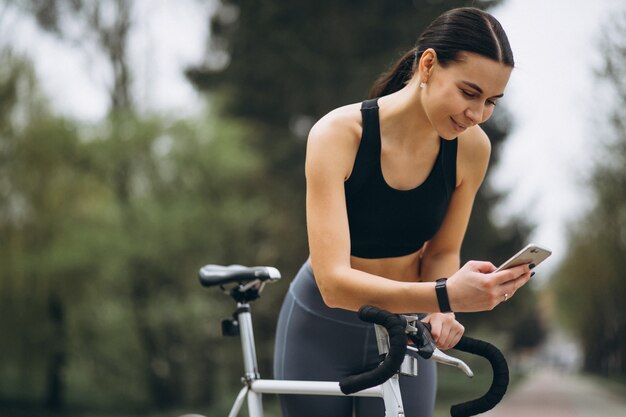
531	254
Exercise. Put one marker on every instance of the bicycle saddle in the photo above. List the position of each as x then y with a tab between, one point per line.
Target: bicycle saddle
213	275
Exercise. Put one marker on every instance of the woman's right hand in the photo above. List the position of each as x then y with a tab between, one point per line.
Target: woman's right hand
475	287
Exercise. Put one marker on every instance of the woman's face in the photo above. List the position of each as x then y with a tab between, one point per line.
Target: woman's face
463	93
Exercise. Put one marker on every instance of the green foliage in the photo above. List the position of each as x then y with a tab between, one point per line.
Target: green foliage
103	229
590	283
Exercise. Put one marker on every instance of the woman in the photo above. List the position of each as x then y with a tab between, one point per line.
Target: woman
390	187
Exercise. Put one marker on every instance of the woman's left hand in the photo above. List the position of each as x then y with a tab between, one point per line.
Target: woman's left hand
445	329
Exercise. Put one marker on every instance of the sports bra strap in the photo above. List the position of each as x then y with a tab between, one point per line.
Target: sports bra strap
370	104
369	149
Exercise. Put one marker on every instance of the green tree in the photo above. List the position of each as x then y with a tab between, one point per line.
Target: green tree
42	188
83	293
121	155
148	202
590	282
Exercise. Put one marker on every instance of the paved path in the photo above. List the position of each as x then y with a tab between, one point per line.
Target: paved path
553	394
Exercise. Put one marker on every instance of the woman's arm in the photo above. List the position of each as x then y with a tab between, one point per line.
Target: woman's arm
331	150
441	257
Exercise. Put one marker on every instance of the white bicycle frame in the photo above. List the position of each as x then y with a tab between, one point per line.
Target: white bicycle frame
249	282
254	387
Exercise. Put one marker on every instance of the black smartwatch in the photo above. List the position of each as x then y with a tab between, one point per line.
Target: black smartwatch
442	295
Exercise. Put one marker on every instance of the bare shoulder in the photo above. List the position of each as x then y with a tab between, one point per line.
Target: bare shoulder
334	139
473	154
343	123
474	143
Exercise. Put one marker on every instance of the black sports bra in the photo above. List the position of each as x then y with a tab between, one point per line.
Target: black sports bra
386	222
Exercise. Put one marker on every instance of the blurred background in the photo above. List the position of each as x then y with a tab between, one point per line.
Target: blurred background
140	140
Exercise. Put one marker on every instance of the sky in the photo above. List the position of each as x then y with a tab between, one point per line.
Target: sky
550	96
169	36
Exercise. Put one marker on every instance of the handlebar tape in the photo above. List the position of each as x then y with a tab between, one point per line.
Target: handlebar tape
499	383
396	327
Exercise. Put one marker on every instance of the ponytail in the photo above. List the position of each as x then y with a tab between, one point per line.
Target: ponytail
396	77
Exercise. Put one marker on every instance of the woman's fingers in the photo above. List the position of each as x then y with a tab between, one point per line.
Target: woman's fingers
435	327
516	273
475	287
450	336
442	340
509	288
455	337
446	331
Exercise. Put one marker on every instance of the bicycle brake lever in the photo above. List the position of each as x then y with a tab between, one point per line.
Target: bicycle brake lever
439	356
410	322
427	348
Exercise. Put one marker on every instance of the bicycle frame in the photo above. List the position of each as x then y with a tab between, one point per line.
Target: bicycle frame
249	282
254	387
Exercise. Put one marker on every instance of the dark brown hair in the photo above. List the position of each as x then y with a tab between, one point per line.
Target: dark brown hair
464	29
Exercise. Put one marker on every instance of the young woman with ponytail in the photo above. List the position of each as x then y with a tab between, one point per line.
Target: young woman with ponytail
390	187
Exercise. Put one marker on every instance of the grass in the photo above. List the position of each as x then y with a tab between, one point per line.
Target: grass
614	385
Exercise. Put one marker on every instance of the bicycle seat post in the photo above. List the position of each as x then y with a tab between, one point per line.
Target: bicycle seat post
248	284
244	318
251	370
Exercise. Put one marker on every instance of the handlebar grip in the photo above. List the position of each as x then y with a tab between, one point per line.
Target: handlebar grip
396	327
499	383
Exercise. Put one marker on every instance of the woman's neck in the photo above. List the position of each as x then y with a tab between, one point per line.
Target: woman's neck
402	117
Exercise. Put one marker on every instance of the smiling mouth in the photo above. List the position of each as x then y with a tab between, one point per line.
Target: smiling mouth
457	126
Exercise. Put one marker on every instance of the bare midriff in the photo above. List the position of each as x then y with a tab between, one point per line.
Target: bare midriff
401	268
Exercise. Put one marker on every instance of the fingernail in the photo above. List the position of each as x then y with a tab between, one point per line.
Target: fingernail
532	275
531	266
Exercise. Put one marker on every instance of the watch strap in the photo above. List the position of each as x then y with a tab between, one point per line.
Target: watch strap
442	295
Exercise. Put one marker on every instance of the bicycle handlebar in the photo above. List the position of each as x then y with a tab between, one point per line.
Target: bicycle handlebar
396	327
499	382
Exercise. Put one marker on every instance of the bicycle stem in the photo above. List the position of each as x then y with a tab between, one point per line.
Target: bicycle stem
382	339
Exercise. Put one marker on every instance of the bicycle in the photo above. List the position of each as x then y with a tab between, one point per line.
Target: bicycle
393	331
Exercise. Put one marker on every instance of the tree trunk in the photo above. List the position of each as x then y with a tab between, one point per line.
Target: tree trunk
55	400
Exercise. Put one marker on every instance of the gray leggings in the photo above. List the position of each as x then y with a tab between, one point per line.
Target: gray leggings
315	342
